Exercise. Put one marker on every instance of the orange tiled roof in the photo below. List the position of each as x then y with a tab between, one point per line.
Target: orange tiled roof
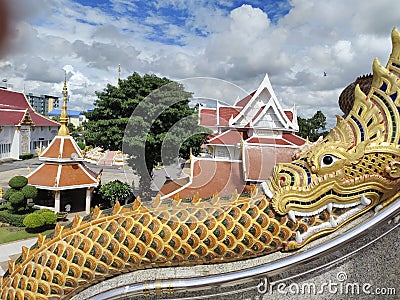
62	148
229	137
209	177
62	176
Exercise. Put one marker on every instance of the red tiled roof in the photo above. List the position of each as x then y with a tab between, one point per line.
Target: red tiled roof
208	117
39	120
226	113
294	139
12	98
11	117
59	176
209	177
289	114
243	102
17	101
61	147
229	137
268	141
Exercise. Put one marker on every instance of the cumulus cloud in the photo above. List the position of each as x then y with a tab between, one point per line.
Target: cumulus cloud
180	39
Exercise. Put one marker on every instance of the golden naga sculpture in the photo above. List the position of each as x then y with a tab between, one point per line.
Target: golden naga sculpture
354	169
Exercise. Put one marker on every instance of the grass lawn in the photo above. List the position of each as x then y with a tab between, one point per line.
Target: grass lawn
11	234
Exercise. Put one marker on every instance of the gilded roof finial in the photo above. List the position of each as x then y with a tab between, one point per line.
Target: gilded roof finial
63	131
119	76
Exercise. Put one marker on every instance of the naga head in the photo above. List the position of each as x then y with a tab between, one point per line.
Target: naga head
354	168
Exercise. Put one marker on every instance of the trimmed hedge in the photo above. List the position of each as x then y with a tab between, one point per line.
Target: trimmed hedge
49	216
12	219
17	197
18	182
29	191
8	193
34	221
26	156
40	220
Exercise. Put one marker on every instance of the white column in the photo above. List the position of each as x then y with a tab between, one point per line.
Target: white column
57	201
88	200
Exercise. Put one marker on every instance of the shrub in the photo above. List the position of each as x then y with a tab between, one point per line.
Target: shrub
81	145
8	193
26	156
16	198
34	221
18	182
49	216
12	219
29	191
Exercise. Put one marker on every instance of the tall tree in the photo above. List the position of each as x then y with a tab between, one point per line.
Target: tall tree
313	127
162	128
161	125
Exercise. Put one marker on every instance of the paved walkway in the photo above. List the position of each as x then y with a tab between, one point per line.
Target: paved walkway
12	251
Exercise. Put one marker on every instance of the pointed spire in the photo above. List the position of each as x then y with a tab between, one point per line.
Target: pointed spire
119	76
63	131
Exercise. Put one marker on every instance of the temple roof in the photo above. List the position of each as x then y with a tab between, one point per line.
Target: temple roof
229	137
258	109
63	166
208	177
55	176
62	149
264	106
14	106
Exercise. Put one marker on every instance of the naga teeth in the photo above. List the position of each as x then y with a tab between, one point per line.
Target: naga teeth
378	208
299	239
365	201
292	216
332	221
346	205
266	190
329	207
396	219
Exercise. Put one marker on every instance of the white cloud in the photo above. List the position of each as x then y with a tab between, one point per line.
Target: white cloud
238	44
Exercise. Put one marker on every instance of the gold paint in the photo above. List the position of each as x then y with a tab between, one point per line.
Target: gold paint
63	131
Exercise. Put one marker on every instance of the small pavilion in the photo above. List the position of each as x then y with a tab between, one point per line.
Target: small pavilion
63	180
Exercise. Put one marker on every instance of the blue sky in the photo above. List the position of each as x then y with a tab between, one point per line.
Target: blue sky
180	14
294	42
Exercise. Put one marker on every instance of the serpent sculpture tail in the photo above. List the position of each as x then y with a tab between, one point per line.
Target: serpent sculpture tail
355	168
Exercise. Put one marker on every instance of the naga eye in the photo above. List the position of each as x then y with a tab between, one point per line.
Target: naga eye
328	160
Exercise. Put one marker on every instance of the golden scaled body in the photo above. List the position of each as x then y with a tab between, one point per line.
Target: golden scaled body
352	170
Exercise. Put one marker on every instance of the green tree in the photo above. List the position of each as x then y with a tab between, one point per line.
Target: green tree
113	108
162	128
116	191
313	127
19	193
144	112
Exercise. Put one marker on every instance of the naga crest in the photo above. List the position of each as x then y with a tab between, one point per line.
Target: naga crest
355	168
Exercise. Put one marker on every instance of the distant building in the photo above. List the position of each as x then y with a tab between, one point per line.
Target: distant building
75	117
43	104
248	139
63	181
22	130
